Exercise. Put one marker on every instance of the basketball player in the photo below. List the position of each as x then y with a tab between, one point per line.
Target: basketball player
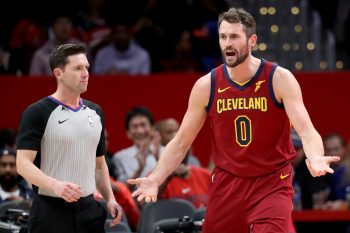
251	103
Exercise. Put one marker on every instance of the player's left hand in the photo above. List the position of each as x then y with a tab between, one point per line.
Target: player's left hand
320	165
115	210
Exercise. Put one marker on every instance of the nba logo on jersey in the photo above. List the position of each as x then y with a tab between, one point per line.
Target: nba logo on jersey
91	121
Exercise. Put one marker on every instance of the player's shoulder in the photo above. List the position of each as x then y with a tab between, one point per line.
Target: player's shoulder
283	77
281	72
284	81
203	82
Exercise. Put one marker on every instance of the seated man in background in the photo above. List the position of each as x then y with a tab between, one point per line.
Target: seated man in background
139	159
309	192
122	55
339	197
338	184
62	32
334	145
167	129
12	186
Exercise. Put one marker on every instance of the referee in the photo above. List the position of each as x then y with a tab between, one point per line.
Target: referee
60	150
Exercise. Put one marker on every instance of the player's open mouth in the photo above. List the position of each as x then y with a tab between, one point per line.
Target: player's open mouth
230	54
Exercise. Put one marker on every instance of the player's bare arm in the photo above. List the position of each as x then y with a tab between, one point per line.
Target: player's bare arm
287	90
66	190
176	149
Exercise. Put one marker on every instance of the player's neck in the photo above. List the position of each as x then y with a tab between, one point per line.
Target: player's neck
244	71
68	98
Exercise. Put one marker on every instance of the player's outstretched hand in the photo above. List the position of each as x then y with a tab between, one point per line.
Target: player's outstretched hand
146	189
321	165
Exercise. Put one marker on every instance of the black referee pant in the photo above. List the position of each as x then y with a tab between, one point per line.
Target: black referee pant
55	215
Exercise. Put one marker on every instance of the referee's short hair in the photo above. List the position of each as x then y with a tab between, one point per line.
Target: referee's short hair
59	55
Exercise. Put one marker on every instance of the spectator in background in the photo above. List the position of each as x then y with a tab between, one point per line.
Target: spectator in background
307	189
123	55
139	159
167	129
162	14
184	59
93	21
28	36
187	182
339	197
62	32
333	184
334	145
12	186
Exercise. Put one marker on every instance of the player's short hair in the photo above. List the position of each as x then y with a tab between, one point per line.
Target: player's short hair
58	57
138	111
234	15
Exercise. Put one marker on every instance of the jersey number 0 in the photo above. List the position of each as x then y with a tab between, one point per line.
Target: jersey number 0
243	129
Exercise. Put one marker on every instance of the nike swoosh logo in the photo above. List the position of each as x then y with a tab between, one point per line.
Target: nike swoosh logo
284	176
185	190
60	122
222	90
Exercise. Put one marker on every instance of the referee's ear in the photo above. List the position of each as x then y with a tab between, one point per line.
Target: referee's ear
57	72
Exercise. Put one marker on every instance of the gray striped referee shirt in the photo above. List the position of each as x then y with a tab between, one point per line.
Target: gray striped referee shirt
67	141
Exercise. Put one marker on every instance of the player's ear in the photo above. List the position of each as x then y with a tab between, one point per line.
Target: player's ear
252	40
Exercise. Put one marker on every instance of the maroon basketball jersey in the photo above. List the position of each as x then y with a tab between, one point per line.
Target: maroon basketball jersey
251	130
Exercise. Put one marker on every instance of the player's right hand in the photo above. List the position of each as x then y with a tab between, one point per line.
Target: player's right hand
146	189
320	165
70	192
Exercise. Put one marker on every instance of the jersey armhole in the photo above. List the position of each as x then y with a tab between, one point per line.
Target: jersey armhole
272	93
212	90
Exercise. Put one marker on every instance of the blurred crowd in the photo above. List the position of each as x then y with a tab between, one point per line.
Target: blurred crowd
123	37
135	37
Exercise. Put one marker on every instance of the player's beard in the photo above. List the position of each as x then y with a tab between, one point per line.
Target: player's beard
240	56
